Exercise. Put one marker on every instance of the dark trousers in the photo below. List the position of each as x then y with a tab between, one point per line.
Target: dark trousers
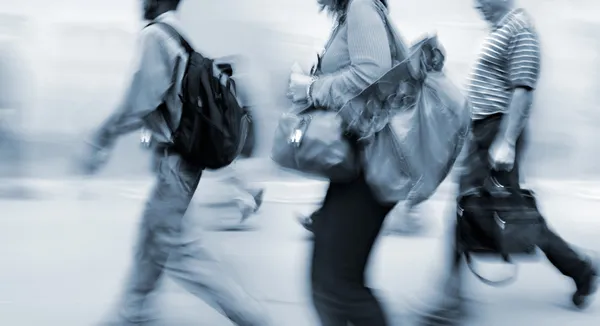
345	230
475	169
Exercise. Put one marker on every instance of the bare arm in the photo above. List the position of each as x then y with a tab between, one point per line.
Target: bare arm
370	57
524	71
518	114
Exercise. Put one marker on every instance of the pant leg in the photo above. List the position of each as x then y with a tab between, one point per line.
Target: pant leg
564	258
162	215
239	178
165	244
472	175
241	191
314	215
347	226
475	168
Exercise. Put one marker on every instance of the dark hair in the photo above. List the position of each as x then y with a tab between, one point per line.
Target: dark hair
172	3
338	7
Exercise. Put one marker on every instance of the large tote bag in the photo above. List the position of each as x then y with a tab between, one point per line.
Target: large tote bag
414	123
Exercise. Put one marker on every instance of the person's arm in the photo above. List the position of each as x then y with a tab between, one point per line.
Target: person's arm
524	64
151	79
370	57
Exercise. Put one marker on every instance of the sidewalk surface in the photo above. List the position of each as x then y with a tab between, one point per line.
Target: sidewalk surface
64	260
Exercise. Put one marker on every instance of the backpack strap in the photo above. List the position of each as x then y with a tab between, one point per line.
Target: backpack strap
173	32
162	108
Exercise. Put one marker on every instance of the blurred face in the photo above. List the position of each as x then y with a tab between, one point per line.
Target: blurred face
492	10
149	9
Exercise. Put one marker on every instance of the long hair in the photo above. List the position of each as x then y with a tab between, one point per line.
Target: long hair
338	8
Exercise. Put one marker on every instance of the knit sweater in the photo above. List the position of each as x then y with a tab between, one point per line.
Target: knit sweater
358	54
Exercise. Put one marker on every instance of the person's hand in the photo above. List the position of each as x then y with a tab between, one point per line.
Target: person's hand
502	155
92	159
298	86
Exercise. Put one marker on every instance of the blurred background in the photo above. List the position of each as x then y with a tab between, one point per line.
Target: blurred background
64	64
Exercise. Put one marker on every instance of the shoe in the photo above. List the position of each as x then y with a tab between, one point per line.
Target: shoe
306	222
585	291
246	211
258	199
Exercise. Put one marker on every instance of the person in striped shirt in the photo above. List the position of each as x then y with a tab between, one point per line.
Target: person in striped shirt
501	90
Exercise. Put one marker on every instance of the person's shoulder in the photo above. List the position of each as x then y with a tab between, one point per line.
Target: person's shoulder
522	22
154	32
150	36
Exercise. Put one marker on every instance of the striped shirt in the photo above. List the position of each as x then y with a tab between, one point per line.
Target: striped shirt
509	58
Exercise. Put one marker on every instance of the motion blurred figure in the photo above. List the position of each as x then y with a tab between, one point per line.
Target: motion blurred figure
350	218
165	243
11	150
501	92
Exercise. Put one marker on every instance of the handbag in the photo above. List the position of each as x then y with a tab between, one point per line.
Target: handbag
313	141
497	220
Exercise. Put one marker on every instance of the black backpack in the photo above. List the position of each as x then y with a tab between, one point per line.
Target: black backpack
213	124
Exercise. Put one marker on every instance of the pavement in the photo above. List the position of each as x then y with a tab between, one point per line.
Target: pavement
64	259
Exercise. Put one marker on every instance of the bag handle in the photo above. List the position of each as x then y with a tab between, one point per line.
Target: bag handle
493	187
502	282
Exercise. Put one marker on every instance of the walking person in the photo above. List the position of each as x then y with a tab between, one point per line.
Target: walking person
501	91
350	219
164	244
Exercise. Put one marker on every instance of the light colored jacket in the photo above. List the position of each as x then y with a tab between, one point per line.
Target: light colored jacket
158	71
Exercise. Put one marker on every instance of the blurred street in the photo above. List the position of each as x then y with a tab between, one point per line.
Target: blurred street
64	257
65	241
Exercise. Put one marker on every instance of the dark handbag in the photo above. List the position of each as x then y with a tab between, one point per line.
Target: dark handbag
250	141
499	221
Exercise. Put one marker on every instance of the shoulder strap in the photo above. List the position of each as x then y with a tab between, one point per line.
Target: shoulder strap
398	48
171	30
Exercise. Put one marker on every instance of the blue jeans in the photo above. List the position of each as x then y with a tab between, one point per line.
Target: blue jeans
165	246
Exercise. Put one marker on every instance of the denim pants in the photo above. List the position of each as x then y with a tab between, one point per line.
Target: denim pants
166	246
